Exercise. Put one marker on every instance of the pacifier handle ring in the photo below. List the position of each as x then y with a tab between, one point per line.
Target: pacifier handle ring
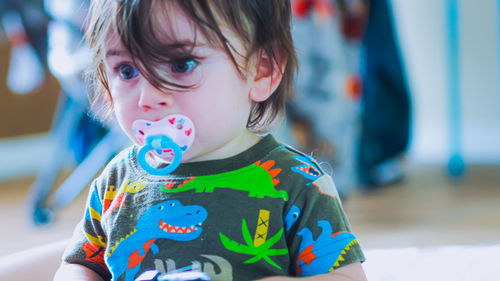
159	142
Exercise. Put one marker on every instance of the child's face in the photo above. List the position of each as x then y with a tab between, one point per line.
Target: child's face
219	105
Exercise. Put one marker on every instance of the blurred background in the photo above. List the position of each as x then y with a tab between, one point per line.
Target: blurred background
399	100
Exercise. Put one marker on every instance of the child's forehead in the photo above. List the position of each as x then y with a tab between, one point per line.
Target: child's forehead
172	25
171	29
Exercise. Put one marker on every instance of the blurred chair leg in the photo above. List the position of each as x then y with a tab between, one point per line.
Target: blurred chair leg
63	128
456	164
88	168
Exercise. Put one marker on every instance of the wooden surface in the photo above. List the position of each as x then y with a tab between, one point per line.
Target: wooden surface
26	114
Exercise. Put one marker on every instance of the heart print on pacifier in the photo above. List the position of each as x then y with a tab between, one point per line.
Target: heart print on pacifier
167	139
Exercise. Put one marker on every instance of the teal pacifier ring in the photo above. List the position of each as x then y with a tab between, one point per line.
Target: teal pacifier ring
159	143
166	139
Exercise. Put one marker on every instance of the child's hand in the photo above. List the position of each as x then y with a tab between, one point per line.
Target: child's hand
69	271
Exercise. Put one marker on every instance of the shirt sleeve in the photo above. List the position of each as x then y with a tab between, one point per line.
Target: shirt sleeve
88	243
318	232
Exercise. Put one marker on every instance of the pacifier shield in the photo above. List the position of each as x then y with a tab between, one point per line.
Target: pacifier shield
177	127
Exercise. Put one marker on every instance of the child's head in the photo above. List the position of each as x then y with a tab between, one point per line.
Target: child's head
177	51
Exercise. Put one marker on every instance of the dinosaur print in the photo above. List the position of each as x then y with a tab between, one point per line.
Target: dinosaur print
323	254
258	179
291	217
94	253
326	187
94	249
217	267
308	169
166	220
94	210
259	248
116	198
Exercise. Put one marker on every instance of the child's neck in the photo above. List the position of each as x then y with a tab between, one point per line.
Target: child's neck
232	147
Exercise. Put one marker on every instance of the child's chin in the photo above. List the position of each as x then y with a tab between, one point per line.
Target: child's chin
193	155
188	157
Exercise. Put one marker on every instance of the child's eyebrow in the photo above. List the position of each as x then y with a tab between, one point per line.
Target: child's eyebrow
179	45
185	44
112	52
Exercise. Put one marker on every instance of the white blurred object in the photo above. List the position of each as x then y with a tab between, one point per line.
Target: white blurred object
67	54
25	72
70	11
465	263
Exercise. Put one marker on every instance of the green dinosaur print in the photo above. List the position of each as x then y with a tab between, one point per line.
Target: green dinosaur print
258	179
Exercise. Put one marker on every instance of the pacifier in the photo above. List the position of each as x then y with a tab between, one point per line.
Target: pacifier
167	139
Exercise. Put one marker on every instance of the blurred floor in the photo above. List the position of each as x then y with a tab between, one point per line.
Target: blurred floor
430	209
426	209
18	232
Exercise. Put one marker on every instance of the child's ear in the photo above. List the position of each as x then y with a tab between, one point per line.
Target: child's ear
266	76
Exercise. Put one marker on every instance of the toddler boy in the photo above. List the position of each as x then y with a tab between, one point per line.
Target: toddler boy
241	206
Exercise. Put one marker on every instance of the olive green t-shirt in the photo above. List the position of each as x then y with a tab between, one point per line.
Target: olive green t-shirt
267	211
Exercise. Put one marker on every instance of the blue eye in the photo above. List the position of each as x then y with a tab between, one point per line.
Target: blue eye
127	71
183	66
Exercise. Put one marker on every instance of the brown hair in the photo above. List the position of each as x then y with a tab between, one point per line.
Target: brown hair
261	25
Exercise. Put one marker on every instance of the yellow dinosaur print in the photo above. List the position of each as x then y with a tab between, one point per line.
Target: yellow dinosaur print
94	214
114	198
341	256
98	241
133	187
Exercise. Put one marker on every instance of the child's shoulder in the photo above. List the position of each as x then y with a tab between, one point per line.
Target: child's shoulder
119	167
295	160
298	170
122	159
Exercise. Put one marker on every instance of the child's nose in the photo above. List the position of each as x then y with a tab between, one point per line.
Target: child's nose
152	98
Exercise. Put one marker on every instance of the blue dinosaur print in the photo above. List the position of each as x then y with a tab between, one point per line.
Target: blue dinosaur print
95	205
169	220
291	217
308	169
324	254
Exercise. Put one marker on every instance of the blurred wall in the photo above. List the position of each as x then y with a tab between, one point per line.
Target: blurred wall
421	28
28	114
422	31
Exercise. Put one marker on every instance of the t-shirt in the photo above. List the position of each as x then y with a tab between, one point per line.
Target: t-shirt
267	211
